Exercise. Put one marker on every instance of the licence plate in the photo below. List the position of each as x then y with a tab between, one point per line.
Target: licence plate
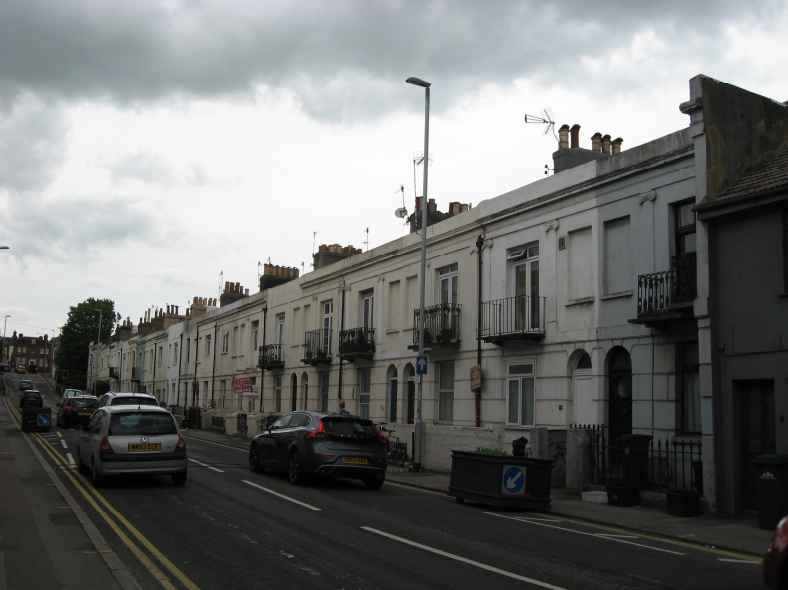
355	460
144	447
84	414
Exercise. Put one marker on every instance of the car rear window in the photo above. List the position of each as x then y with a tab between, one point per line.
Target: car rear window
134	401
349	428
134	423
83	403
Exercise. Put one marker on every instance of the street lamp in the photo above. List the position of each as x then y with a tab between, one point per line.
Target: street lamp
5	323
417	446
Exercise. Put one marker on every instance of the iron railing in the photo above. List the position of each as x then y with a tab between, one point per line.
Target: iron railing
271	356
317	346
513	317
672	464
658	291
441	324
357	341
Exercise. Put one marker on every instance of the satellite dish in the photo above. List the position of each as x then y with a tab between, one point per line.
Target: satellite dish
401	212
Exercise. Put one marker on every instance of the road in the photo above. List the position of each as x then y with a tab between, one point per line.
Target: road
231	528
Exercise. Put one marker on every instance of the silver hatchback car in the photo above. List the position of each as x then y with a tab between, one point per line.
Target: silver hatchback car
132	439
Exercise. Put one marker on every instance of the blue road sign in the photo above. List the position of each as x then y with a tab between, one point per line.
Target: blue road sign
421	365
43	419
513	480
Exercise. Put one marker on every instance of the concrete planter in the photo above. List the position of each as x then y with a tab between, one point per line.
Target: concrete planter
682	503
500	481
36	419
623	495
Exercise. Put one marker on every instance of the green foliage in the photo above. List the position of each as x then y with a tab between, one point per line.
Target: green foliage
82	328
496	452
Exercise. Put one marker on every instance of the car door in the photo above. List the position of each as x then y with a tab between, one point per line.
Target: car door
87	442
288	435
266	442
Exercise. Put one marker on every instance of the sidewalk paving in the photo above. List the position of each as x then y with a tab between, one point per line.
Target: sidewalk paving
737	533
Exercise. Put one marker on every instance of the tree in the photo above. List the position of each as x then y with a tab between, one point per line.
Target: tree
82	328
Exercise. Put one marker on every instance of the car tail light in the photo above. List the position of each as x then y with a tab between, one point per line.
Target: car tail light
181	446
319	433
68	409
105	447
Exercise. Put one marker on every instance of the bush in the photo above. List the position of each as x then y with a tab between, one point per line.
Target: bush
496	452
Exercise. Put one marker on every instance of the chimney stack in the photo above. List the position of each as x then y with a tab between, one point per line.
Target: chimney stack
596	142
563	137
575	133
606	144
616	145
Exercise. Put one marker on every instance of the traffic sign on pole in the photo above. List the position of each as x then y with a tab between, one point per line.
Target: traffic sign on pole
421	365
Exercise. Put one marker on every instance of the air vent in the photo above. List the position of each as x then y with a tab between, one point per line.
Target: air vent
562	243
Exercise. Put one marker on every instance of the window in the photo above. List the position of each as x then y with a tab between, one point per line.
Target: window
280	329
236	350
449	280
364	386
618	256
208	345
685	227
525	263
521	394
366	309
169	354
175	354
188	349
161	354
225	341
255	331
328	322
579	261
394	308
690	387
324	392
278	393
446	392
223	391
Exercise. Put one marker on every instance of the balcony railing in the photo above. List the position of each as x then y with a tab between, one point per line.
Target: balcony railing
441	325
136	374
513	318
114	373
357	342
272	356
662	294
317	347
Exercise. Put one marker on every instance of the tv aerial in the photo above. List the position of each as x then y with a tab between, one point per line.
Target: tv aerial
547	119
402	212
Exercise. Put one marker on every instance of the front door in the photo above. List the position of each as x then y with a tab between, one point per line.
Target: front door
411	401
449	285
294	394
620	400
757	433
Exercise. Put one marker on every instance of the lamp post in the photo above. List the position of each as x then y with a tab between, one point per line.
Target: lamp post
417	445
5	323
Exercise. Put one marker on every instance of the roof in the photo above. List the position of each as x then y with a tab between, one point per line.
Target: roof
770	176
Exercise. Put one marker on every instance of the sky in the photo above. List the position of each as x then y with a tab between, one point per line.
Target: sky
151	149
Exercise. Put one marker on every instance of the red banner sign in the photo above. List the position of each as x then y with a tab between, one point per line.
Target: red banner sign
242	385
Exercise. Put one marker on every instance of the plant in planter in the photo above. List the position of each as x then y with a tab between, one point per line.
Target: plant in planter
309	353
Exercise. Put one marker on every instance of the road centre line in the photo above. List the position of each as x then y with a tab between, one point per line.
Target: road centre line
289	499
738	561
483	566
206	465
63	442
71	460
243	450
609	538
147	544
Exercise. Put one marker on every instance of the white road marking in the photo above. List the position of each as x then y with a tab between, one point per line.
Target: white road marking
618	536
739	561
59	435
609	538
205	465
62	442
71	459
483	566
293	500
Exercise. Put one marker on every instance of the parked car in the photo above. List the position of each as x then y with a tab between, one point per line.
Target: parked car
775	562
5	369
112	398
309	443
71	393
76	410
31	397
25	385
132	440
19	369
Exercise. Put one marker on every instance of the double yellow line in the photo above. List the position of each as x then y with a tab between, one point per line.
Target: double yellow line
89	492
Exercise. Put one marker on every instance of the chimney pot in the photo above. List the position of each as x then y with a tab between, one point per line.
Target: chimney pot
606	144
575	134
431	206
246	292
616	145
563	137
596	142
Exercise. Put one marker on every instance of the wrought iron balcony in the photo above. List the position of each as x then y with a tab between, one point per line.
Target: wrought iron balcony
114	373
441	325
317	347
357	343
136	374
668	295
271	357
513	318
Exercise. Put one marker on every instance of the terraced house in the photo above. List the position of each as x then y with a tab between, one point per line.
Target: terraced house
586	297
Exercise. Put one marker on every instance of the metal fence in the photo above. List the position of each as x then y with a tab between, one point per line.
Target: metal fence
441	324
659	291
512	316
669	464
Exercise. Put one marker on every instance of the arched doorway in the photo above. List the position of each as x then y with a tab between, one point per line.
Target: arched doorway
619	370
391	379
305	387
410	401
583	408
293	393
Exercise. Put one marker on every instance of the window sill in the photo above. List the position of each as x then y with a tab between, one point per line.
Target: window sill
617	295
518	427
581	301
392	331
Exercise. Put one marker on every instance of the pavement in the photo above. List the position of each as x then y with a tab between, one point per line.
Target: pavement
734	533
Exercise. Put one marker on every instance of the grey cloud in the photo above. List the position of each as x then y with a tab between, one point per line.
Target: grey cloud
344	59
146	167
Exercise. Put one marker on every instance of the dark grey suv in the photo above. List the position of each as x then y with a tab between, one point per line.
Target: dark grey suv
326	445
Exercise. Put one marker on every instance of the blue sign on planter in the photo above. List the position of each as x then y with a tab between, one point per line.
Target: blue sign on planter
43	419
513	482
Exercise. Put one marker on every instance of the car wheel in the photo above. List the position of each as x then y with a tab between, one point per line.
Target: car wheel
374	483
96	479
254	460
81	467
295	471
178	479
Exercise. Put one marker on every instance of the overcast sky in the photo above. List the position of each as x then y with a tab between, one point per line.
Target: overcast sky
145	147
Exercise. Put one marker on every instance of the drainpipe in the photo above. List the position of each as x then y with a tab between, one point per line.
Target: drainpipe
341	327
262	369
180	364
479	245
196	362
213	371
154	367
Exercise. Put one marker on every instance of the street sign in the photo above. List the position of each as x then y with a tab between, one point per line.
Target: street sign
421	365
513	481
43	419
476	377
